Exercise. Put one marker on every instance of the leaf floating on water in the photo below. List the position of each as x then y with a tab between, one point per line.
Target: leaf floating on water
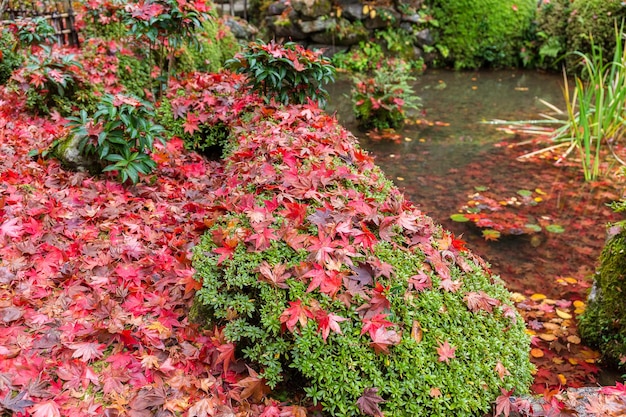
533	227
480	188
491	234
525	193
555	228
458	217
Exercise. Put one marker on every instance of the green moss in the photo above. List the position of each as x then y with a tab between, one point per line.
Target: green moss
483	33
552	32
603	325
213	46
593	19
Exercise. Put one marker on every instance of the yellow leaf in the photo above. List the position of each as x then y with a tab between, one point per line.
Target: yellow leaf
579	304
538	199
551	326
416	331
573	339
156	325
547	337
579	311
366	9
571	281
573	361
372	13
517	297
540	191
562	379
537	297
339	11
557	360
562	314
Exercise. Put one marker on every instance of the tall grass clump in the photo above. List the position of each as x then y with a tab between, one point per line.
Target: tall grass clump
595	109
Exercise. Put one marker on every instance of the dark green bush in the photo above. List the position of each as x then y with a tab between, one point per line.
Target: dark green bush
10	59
327	280
287	73
484	33
552	32
215	44
593	18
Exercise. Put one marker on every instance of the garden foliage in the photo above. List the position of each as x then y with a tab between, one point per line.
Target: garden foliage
287	73
380	101
484	33
326	279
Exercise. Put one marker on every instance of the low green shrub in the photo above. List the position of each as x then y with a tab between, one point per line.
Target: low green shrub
381	101
484	33
551	32
53	79
35	31
361	59
10	58
121	134
329	282
287	73
215	44
593	21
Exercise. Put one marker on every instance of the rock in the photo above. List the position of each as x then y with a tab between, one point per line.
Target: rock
67	152
327	50
312	8
284	28
425	38
411	18
353	11
318	25
381	17
240	28
330	38
412	4
276	8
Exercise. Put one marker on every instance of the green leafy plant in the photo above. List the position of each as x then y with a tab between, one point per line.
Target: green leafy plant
10	59
35	31
52	79
287	73
165	25
121	134
490	33
367	56
381	101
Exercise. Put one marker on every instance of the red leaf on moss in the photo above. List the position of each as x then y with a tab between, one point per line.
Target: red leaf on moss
446	352
276	275
384	338
327	322
294	314
368	402
480	300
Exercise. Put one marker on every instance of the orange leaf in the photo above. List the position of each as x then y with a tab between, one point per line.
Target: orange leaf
536	353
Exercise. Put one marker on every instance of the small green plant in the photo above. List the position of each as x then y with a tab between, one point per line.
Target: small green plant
165	25
381	101
51	79
35	31
121	134
10	59
287	73
366	57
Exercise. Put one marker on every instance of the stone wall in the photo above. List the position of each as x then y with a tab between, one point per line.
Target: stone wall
335	25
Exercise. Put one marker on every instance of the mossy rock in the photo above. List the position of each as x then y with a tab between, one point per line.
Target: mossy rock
603	325
593	19
484	33
329	282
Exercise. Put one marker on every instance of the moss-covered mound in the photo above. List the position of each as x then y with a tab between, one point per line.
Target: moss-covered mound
593	19
484	33
603	324
328	280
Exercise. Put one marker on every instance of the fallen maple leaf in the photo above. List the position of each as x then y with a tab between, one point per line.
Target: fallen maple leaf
11	228
384	338
16	404
46	409
253	386
446	352
87	351
503	403
368	402
294	314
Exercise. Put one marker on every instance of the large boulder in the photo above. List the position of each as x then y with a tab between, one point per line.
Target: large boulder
603	325
312	8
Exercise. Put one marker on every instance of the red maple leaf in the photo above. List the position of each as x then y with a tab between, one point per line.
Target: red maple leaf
384	338
446	352
420	282
87	351
371	325
480	300
503	403
253	386
327	322
11	228
322	246
226	355
329	282
368	402
275	275
263	237
294	314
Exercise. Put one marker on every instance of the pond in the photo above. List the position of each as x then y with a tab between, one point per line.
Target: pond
445	155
